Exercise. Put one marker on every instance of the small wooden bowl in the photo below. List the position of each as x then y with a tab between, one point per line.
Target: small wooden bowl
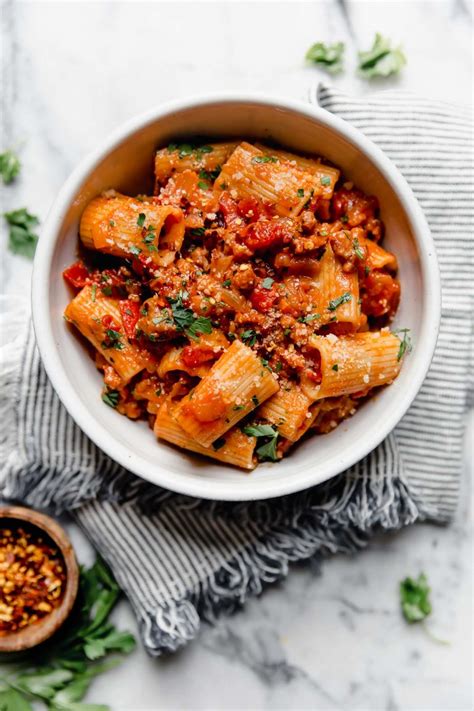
40	631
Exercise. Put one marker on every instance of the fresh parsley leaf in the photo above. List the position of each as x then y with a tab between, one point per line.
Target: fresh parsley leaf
249	337
414	598
106	290
185	319
135	250
405	343
9	166
210	175
22	239
381	60
141	219
268	450
264	159
113	339
335	367
333	305
93	291
203	186
185	149
111	398
60	672
260	431
300	192
267	283
308	318
226	283
327	56
357	249
198	231
325	180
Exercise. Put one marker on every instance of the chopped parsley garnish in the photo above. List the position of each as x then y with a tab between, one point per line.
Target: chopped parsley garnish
357	249
381	60
185	319
249	337
308	318
135	250
111	398
267	283
268	450
415	598
344	218
218	443
325	180
187	149
405	343
255	400
141	219
112	223
9	166
287	331
278	366
113	340
335	303
150	236
21	238
203	186
300	192
210	175
366	270
238	407
266	364
226	283
198	231
264	159
327	56
106	290
93	291
231	336
335	367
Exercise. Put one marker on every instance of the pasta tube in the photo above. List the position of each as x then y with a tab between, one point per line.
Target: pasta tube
235	448
353	363
99	320
236	384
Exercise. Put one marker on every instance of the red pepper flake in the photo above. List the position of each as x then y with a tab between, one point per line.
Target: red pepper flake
32	578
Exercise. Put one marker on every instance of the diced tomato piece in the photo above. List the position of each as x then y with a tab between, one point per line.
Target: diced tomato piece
130	312
265	234
109	322
76	275
380	294
263	299
250	208
229	209
354	205
193	356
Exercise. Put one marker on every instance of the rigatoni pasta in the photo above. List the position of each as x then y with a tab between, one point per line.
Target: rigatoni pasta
244	306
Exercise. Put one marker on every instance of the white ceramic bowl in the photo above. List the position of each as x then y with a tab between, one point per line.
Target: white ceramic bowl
125	162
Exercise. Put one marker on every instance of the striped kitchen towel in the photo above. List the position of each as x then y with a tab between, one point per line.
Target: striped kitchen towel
182	560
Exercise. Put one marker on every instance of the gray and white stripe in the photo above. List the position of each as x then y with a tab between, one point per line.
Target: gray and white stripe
182	560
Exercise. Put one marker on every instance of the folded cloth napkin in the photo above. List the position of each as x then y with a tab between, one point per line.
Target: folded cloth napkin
182	560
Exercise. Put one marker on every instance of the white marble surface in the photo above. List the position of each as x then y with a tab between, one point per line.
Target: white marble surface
71	72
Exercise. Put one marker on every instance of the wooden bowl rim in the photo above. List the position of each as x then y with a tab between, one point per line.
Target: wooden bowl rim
33	635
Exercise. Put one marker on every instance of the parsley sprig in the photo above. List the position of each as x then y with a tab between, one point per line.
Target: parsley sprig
405	343
327	56
186	320
343	299
9	166
267	451
21	239
414	598
60	674
381	60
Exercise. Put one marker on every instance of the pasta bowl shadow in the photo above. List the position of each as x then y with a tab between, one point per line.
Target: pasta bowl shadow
125	162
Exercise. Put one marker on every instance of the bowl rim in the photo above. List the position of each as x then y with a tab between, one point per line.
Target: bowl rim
33	635
248	488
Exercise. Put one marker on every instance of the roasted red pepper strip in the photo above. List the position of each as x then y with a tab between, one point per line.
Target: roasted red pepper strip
76	275
130	311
